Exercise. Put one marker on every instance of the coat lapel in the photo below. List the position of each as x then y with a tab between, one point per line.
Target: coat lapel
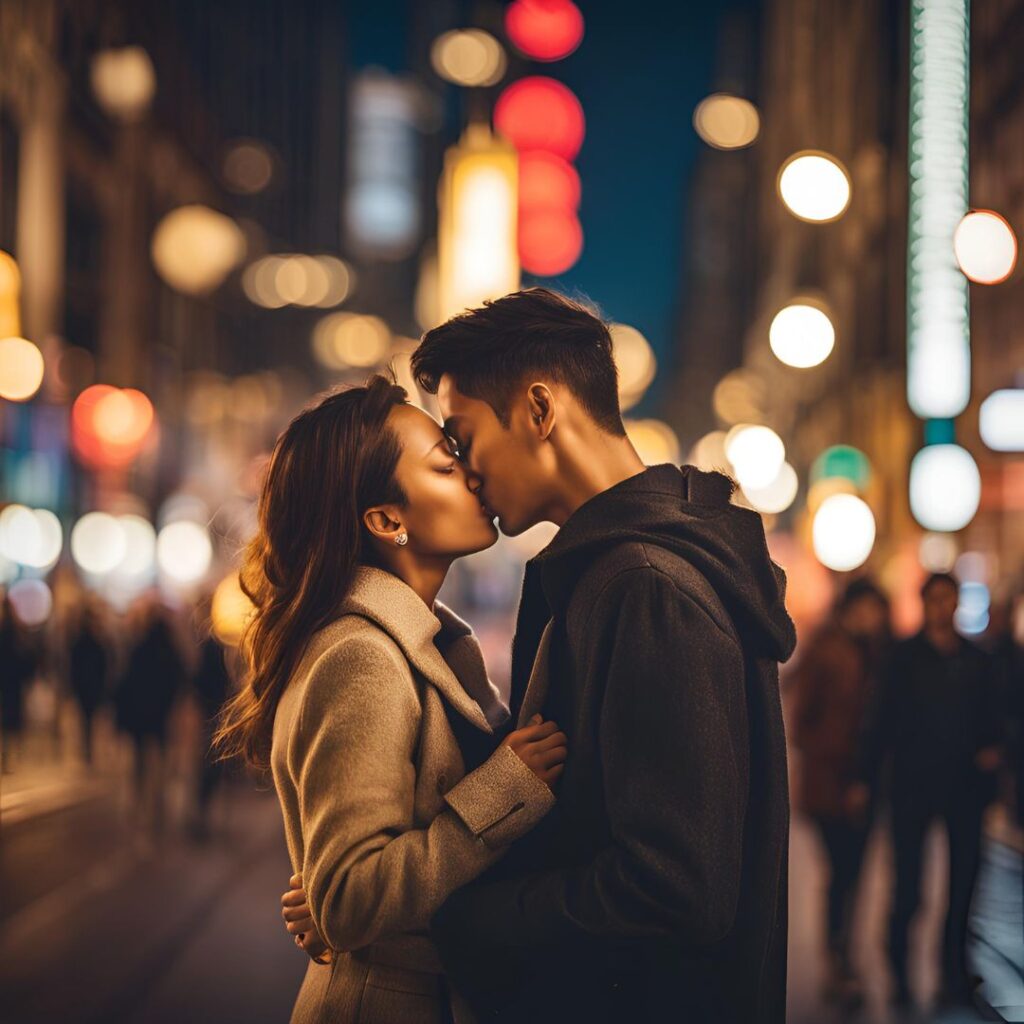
387	601
537	687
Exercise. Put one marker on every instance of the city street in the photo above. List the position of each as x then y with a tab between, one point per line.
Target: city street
103	922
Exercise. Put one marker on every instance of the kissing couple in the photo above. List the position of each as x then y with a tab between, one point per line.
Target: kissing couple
612	846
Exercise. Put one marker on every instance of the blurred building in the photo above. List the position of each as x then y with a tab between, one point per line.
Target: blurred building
833	77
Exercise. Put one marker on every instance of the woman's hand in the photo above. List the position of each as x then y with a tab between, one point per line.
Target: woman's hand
298	919
541	747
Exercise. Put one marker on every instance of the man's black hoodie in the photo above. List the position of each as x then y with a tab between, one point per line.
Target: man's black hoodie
656	888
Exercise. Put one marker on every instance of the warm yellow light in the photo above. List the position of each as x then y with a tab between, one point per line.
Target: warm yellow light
709	453
123	81
985	247
655	442
468	57
739	397
726	122
635	361
343	340
477	253
230	610
194	248
248	167
776	496
802	335
815	186
10	290
21	369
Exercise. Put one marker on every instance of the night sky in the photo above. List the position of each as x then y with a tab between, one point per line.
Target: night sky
639	72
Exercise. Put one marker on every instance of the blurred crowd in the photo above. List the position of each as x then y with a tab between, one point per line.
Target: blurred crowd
904	734
155	676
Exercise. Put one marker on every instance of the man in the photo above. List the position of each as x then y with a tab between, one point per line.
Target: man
832	686
935	727
650	629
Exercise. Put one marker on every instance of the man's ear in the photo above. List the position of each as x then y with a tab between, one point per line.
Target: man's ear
542	409
382	522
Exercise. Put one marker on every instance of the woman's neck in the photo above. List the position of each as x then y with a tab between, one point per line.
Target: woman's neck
425	578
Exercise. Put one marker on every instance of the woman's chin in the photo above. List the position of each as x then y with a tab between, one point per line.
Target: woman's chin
488	538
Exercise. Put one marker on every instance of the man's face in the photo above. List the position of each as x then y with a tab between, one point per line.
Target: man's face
506	461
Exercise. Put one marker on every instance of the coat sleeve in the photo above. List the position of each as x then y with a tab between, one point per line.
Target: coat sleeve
672	744
368	872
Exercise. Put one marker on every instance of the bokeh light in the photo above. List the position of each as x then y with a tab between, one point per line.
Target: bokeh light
295	279
110	426
945	487
541	113
756	453
184	552
937	552
726	122
98	543
814	186
547	181
30	537
985	247
550	241
843	532
709	453
470	57
1001	420
801	335
21	369
635	362
230	610
545	30
655	442
10	290
778	495
343	340
194	248
139	557
32	601
248	167
845	462
123	81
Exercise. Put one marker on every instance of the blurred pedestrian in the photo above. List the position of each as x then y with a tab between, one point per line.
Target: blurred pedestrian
88	664
832	687
935	727
1003	642
212	684
145	697
17	667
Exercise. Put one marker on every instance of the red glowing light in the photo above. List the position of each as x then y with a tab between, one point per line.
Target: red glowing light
544	29
540	113
550	241
109	426
547	182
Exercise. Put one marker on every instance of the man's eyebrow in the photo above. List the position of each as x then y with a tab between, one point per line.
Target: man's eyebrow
435	446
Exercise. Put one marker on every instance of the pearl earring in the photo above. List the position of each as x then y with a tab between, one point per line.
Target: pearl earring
402	539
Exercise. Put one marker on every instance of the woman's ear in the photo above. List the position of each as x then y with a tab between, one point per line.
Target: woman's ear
382	524
542	409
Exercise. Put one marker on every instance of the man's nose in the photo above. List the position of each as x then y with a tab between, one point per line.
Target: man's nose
473	480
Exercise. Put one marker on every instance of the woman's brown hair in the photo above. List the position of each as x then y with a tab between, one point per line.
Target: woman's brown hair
333	461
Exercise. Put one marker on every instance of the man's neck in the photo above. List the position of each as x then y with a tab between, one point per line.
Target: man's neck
946	641
589	471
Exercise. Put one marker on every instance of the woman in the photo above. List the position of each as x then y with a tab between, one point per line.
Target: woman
370	702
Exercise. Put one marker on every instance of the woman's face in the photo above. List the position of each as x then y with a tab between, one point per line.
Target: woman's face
443	515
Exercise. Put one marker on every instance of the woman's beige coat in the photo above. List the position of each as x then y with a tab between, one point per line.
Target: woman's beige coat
380	818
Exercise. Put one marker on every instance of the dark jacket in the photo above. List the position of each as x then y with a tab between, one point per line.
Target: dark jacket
933	713
656	888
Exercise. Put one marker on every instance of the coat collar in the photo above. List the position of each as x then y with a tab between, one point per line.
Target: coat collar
396	608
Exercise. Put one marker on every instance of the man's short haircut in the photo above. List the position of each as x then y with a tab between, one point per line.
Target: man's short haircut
490	351
937	578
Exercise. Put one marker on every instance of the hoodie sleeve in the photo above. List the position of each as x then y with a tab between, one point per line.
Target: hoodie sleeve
673	755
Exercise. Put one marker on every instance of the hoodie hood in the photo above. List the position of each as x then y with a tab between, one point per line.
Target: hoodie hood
688	512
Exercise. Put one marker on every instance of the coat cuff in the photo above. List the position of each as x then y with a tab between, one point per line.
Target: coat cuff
502	800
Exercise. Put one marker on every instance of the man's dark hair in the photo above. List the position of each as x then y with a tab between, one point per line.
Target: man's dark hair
490	350
937	578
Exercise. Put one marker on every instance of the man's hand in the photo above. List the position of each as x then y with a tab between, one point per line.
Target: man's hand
542	747
298	920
